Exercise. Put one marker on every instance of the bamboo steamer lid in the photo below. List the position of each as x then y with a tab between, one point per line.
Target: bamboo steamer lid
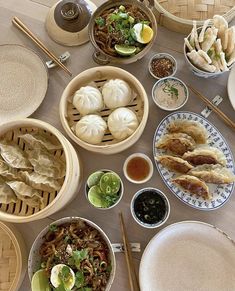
13	260
179	15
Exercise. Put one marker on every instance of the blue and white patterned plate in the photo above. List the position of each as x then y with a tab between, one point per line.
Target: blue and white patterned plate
221	193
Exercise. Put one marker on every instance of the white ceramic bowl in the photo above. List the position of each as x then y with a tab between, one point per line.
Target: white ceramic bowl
35	259
160	56
54	201
199	72
162	80
147	159
121	191
167	204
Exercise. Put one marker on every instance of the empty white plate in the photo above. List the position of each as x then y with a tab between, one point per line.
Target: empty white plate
23	82
188	256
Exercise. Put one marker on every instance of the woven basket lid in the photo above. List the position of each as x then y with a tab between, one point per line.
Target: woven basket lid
67	21
12	258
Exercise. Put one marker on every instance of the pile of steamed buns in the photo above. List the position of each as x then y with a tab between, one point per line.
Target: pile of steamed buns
115	94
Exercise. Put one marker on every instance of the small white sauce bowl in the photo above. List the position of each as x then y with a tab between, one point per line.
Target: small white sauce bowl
162	80
161	56
147	159
167	204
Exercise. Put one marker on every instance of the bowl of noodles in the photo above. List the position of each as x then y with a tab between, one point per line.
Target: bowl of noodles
72	253
122	31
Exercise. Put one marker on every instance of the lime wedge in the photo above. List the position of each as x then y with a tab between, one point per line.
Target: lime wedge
125	50
110	183
40	281
94	178
95	196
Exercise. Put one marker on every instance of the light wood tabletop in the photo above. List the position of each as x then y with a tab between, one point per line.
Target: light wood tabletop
33	14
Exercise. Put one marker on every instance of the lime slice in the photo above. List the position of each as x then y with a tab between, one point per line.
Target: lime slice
40	281
110	183
95	196
94	179
125	50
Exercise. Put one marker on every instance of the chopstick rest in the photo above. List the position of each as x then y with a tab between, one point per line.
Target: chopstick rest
207	110
62	58
119	247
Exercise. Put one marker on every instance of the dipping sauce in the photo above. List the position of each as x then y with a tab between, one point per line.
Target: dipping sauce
170	93
150	207
162	67
138	168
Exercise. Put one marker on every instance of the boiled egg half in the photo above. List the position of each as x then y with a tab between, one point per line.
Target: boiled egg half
143	32
56	274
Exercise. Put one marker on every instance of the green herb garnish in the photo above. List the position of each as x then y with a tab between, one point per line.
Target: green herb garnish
170	89
100	21
79	279
53	227
79	256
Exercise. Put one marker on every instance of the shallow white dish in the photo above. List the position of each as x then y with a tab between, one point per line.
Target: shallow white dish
221	193
188	255
231	87
23	82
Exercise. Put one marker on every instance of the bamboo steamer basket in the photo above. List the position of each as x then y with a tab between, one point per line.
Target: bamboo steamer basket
179	15
99	75
13	258
20	212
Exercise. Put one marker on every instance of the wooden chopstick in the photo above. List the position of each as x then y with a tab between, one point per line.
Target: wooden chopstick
213	107
133	281
17	22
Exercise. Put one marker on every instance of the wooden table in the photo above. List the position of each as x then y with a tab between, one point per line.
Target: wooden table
33	14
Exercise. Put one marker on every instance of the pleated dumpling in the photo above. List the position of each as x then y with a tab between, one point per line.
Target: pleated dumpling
14	156
192	128
41	182
88	100
215	174
174	164
205	155
177	143
91	128
116	93
36	139
122	122
7	195
8	172
26	193
46	164
193	185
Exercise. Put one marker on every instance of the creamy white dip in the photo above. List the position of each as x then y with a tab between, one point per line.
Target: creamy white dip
170	94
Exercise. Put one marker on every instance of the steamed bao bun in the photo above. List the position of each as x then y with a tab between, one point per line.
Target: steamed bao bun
122	122
116	93
88	100
91	128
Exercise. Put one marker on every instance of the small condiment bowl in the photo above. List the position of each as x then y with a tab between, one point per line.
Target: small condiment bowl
159	82
120	192
158	194
147	159
161	56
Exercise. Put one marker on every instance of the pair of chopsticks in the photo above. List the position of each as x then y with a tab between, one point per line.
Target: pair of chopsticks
18	23
213	107
133	281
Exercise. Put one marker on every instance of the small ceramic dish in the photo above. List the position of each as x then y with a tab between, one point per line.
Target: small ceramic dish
104	189
162	65
138	168
150	207
170	93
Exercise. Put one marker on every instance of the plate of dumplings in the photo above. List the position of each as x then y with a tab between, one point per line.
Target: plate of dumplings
104	109
194	160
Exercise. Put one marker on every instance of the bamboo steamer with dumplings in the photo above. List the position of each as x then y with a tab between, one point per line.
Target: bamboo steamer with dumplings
51	200
13	258
97	77
178	16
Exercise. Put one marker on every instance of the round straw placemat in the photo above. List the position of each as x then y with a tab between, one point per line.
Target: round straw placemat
12	258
